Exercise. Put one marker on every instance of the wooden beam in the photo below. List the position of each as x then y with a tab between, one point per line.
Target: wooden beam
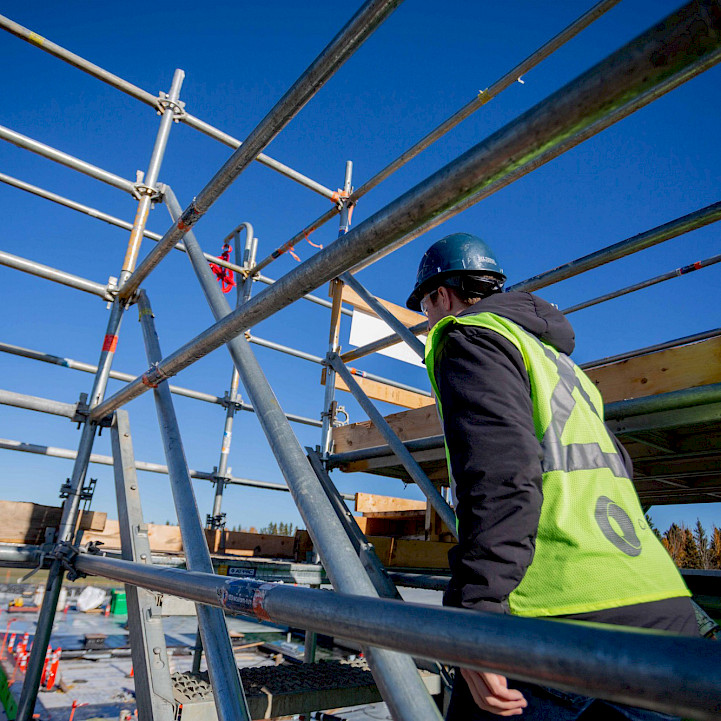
373	503
416	423
687	366
407	317
383	392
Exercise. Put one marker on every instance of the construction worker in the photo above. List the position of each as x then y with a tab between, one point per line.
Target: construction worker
548	519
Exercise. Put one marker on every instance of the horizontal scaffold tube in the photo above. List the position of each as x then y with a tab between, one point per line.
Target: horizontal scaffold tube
153	100
483	97
22	141
57	276
118	375
675	400
331	58
680	47
53	452
34	403
667	231
666	673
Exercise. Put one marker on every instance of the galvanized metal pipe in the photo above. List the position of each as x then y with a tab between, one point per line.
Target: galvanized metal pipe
395	675
230	701
312	298
35	403
663	672
361	25
244	289
682	46
69	518
57	276
644	284
409	463
148	188
618	410
320	361
483	97
667	231
145	97
22	141
336	460
686	398
385	315
53	452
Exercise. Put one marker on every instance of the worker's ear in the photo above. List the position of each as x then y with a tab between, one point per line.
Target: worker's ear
444	298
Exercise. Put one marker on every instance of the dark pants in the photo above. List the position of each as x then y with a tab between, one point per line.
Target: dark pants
545	704
674	615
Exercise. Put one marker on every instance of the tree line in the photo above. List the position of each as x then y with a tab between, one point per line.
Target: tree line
273	529
692	548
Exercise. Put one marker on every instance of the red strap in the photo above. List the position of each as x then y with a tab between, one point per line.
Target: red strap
225	275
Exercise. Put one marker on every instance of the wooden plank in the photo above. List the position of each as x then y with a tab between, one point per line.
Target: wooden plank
396	515
383	392
25	523
673	369
415	423
373	503
419	554
407	317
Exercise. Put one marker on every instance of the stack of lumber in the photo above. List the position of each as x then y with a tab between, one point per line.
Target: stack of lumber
25	523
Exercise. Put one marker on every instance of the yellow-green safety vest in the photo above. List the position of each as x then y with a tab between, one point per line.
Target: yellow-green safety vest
594	549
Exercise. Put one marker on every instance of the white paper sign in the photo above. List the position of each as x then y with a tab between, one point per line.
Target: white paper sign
366	329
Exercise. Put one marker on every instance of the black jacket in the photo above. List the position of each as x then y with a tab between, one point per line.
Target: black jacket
496	458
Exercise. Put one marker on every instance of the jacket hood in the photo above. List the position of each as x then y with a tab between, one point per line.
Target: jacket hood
533	314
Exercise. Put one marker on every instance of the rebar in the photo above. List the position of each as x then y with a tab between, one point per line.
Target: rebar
688	41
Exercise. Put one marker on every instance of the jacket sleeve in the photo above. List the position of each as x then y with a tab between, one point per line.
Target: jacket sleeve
496	463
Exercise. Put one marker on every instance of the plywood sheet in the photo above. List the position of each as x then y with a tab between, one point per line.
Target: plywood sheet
373	503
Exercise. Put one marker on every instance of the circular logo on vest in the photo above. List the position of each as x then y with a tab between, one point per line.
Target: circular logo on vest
617	526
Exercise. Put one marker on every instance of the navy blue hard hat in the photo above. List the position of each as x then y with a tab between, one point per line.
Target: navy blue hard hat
456	254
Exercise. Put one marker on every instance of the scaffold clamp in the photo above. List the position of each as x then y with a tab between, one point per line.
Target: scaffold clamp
177	107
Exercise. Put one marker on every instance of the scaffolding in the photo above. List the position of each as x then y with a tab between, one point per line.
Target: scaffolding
674	675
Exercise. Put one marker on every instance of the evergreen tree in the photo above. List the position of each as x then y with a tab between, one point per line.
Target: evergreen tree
703	545
652	526
716	548
674	541
692	558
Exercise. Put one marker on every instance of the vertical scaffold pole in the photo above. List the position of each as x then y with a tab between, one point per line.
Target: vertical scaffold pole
153	687
394	673
71	507
244	289
329	404
230	701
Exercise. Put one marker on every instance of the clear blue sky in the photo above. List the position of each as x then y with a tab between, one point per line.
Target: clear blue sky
424	63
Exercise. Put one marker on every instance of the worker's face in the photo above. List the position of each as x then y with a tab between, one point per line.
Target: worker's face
436	305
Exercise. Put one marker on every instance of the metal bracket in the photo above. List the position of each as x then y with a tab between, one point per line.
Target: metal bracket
226	402
140	189
82	411
345	421
67	555
215	523
176	106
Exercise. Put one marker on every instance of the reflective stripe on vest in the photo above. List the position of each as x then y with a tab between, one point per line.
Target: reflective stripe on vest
558	456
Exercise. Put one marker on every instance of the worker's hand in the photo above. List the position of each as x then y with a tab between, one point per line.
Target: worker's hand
490	691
